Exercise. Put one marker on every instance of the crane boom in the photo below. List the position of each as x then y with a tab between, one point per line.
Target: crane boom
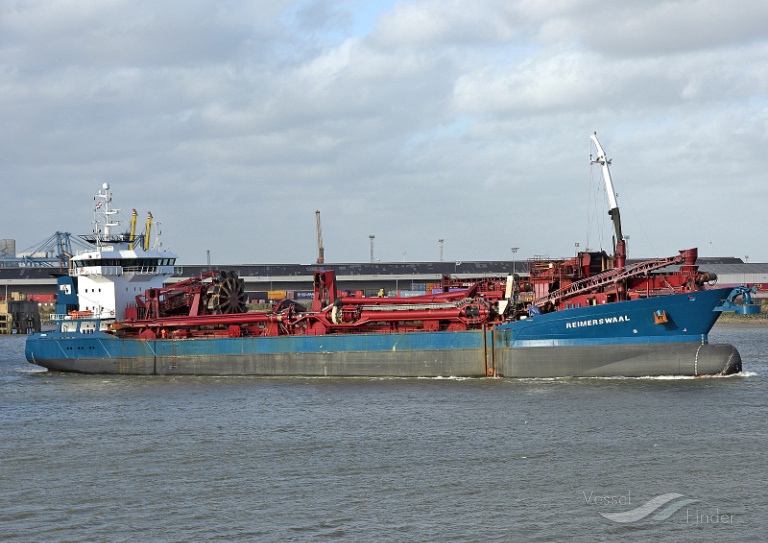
320	249
620	251
604	163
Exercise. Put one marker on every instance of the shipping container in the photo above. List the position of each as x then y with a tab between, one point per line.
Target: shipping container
276	295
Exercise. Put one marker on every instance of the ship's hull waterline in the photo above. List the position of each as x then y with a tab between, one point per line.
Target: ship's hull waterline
465	354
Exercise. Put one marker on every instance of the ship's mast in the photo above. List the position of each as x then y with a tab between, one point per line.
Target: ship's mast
103	215
620	250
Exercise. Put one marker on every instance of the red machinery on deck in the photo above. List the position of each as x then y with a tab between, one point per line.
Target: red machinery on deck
214	303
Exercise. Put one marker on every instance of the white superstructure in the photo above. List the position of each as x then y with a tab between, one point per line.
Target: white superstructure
119	267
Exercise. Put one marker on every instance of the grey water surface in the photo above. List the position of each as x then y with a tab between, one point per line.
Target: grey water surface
126	458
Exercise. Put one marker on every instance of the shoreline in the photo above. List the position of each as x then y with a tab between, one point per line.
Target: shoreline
732	318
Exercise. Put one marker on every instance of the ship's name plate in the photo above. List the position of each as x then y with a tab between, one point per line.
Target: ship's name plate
597	322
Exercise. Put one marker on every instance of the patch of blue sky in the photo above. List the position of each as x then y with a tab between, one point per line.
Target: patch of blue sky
367	14
334	21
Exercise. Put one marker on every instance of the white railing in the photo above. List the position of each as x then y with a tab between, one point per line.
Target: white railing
75	315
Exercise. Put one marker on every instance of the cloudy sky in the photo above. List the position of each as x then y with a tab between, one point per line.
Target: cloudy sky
411	120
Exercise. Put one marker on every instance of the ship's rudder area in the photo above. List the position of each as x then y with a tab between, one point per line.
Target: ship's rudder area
634	360
90	353
120	366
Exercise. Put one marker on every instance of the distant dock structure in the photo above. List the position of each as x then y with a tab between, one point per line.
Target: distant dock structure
19	316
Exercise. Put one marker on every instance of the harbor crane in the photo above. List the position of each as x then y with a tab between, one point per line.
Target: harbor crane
320	249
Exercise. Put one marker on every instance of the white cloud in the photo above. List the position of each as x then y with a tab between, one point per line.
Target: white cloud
462	120
448	23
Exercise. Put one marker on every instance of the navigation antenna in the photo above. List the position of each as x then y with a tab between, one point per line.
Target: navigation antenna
103	216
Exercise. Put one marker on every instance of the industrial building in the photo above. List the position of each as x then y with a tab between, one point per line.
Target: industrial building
277	281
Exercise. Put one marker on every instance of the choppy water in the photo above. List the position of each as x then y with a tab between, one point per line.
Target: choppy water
112	458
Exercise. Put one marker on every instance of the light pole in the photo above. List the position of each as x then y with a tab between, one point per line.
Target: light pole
440	241
372	238
514	258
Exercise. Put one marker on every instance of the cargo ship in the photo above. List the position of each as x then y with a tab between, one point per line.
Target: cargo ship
593	315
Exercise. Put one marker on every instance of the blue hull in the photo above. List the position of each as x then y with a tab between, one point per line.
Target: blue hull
619	339
689	317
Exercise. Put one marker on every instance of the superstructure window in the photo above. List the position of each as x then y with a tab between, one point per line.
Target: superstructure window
127	262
